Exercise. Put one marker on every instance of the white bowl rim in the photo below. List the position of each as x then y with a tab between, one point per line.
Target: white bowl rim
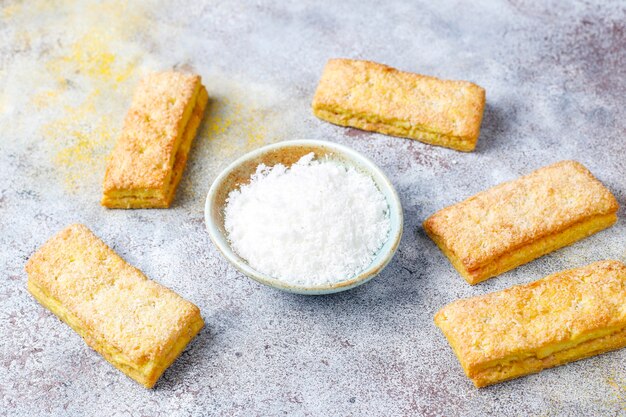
221	241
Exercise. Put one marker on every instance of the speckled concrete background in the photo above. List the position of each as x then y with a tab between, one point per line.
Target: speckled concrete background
555	78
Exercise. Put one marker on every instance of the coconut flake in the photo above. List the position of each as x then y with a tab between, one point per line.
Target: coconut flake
315	223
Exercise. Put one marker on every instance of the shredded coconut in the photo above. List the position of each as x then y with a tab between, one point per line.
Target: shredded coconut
315	223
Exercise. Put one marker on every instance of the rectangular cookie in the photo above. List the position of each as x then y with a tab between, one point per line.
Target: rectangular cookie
375	97
518	221
148	160
139	326
562	318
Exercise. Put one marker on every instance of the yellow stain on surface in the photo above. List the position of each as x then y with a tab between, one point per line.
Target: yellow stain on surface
241	115
83	85
84	138
229	118
92	76
49	97
236	124
10	10
91	57
83	134
618	385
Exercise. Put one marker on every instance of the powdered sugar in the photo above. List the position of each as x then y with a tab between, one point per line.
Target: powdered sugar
317	222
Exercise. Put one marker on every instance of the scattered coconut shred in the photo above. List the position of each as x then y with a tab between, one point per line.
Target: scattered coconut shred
318	222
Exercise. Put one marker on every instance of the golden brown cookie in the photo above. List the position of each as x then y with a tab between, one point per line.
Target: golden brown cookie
562	318
375	97
138	325
518	221
148	160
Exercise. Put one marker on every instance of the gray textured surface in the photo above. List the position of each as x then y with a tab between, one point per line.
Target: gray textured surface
554	74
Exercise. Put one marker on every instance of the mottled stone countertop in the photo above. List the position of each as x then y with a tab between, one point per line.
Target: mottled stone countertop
555	75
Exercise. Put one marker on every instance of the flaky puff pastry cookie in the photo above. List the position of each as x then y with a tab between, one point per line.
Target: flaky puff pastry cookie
138	325
148	160
375	97
518	221
562	318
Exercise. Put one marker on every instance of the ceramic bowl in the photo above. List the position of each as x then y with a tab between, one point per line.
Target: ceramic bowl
287	153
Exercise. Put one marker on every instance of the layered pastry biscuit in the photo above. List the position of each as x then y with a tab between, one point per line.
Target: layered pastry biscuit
521	220
564	317
148	160
375	97
139	326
